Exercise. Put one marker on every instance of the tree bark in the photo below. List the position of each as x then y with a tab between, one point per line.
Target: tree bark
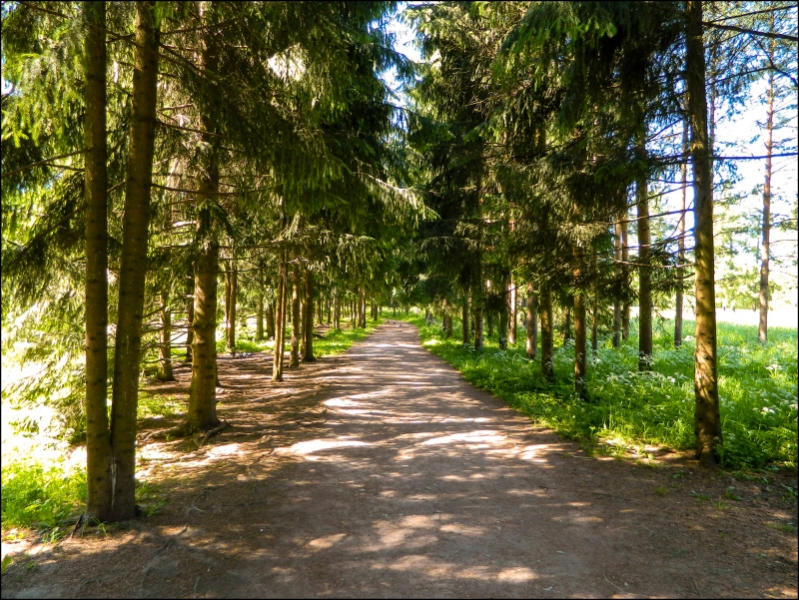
280	319
707	417
617	271
678	303
133	266
547	333
512	329
294	361
567	320
644	275
532	322
231	285
98	443
595	316
625	258
189	313
336	310
270	320
762	328
165	347
259	317
580	365
362	309
467	338
308	325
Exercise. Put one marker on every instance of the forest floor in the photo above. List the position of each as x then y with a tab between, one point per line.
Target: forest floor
381	473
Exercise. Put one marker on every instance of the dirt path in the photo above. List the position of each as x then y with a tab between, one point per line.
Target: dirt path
381	473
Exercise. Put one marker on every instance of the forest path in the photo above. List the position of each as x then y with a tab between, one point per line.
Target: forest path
382	473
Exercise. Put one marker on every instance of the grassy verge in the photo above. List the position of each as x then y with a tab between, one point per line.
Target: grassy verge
757	387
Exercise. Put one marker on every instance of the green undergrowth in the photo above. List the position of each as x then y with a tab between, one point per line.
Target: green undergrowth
332	342
38	497
757	389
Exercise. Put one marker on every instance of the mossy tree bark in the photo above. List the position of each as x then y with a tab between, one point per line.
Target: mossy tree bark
336	310
270	320
625	258
98	442
707	418
580	365
465	319
133	267
362	308
189	313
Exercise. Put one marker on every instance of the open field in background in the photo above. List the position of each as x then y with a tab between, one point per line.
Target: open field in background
629	410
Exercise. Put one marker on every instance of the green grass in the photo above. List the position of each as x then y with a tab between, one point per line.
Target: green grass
757	389
333	342
39	497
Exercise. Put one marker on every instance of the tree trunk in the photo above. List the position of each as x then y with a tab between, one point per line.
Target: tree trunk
595	317
165	347
567	320
336	310
532	322
98	443
547	333
467	338
617	295
133	266
625	258
580	365
362	309
707	415
259	317
477	307
762	328
678	303
231	285
294	361
280	319
644	276
189	313
329	312
512	330
308	329
204	372
270	320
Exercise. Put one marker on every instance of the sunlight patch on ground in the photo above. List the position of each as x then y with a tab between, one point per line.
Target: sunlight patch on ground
516	575
482	437
312	446
325	542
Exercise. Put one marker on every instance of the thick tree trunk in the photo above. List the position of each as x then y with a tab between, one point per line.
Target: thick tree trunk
625	258
547	333
707	415
467	338
580	364
308	325
644	275
762	329
294	361
532	322
165	347
280	319
202	398
133	266
678	303
259	317
98	443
